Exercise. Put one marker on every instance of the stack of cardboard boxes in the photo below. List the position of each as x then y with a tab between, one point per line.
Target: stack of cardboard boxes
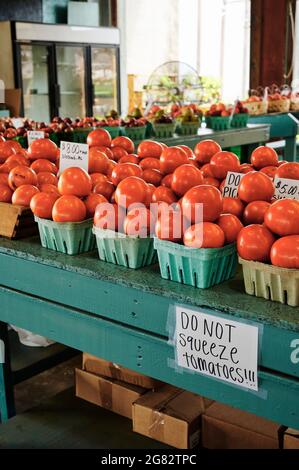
173	416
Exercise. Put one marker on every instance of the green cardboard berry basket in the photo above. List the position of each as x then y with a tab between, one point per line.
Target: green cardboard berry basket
118	248
187	128
114	131
134	133
22	141
80	135
198	267
71	238
239	120
271	282
218	123
163	131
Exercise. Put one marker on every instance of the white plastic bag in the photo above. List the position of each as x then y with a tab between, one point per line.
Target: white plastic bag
30	339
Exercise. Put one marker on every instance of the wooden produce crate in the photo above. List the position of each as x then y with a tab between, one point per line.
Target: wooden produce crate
16	221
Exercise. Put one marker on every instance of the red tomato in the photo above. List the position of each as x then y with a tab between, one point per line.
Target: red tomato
264	156
20	175
14	145
112	165
106	188
205	150
5	193
254	212
109	216
233	205
131	190
269	171
150	163
282	217
170	225
45	177
211	181
23	195
246	168
288	170
98	162
4	178
106	151
285	252
171	158
44	165
164	194
149	194
74	181
184	178
211	199
256	186
99	137
43	148
69	208
149	148
281	162
193	162
123	142
118	153
97	178
8	166
91	202
49	188
123	170
187	150
139	222
231	227
42	204
19	158
167	180
223	162
204	235
129	159
206	171
5	151
152	176
254	243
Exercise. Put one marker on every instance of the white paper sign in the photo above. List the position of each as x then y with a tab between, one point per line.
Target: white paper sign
232	182
217	347
73	154
17	122
34	135
286	189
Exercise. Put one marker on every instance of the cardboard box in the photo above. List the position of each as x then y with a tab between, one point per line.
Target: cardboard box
291	439
170	415
224	427
105	368
108	393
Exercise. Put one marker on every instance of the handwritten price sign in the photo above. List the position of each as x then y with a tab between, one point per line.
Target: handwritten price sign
34	135
232	182
286	189
73	155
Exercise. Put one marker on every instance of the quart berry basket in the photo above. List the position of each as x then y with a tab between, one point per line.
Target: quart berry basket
271	282
218	123
134	133
239	120
113	130
198	267
163	131
187	128
80	135
71	238
123	250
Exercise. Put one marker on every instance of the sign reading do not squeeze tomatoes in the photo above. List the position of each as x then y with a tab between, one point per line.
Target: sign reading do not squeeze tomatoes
73	154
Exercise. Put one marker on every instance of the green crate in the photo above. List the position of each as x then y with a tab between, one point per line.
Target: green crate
71	238
22	141
113	131
187	128
118	248
57	137
134	133
240	120
163	131
149	130
198	267
80	135
218	123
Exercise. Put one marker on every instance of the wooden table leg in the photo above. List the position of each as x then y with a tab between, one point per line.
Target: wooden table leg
7	403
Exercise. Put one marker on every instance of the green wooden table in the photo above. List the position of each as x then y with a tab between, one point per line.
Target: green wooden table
121	315
283	126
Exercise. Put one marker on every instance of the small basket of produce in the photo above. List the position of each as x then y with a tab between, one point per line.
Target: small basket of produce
255	105
163	125
134	128
240	116
188	119
218	117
